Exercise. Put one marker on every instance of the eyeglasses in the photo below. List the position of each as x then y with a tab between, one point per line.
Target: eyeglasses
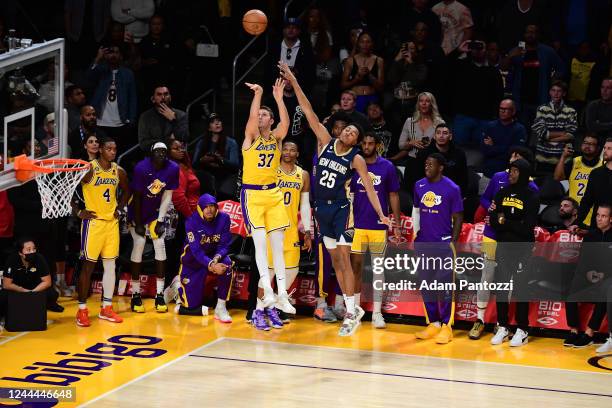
288	53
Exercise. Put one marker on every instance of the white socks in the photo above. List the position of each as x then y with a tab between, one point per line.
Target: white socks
135	286
160	285
276	243
357	299
350	305
108	281
261	258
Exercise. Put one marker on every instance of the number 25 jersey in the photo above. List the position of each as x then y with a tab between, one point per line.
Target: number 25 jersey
100	193
333	173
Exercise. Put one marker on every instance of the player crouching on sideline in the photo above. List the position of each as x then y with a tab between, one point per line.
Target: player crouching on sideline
294	183
206	248
437	217
338	158
155	178
369	232
100	228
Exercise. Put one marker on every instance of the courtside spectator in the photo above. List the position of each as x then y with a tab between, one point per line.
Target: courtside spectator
534	67
477	89
599	112
499	136
88	127
364	73
456	20
134	15
555	126
75	100
456	162
598	189
348	102
114	98
161	121
577	170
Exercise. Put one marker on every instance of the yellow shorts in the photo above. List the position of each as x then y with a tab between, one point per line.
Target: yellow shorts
263	209
100	239
291	249
488	248
374	240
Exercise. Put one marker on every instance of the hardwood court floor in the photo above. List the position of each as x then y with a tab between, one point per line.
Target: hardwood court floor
196	361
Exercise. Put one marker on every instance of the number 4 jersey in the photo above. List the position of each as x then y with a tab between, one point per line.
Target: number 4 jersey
333	173
100	194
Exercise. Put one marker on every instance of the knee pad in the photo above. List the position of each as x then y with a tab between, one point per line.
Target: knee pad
160	249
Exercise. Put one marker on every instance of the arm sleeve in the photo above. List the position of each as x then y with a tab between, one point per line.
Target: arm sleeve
164	205
305	210
194	245
416	220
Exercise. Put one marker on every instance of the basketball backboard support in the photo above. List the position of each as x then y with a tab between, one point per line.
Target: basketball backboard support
32	87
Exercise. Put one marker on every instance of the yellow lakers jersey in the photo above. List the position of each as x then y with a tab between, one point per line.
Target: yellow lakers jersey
291	187
100	193
578	179
261	161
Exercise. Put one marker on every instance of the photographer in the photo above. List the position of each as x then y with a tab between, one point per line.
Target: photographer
27	271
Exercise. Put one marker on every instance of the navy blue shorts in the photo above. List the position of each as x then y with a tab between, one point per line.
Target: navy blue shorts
335	220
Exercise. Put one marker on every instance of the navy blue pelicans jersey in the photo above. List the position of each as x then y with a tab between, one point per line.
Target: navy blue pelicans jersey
333	173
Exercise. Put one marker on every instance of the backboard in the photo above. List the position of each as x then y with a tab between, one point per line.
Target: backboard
34	121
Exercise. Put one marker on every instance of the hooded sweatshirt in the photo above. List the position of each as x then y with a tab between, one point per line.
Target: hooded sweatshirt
205	239
519	205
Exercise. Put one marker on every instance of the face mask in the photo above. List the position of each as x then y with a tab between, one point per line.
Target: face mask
30	258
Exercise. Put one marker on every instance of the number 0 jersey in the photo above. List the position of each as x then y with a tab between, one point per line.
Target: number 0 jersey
100	194
333	173
260	162
291	185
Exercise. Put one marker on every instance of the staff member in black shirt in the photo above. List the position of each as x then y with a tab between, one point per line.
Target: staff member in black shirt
27	271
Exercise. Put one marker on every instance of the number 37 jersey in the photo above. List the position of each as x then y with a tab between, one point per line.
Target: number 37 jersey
333	173
100	194
260	162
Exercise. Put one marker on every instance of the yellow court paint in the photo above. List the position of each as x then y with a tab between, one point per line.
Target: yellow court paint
116	354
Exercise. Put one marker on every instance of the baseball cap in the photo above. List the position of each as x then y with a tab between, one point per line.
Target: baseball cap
292	21
213	116
159	145
50	117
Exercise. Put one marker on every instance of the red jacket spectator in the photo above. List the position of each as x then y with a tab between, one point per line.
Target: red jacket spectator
185	197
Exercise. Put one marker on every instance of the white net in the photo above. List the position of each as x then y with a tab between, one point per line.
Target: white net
57	187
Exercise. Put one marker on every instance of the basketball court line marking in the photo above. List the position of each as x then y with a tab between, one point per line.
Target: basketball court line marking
522	387
13	338
427	356
176	360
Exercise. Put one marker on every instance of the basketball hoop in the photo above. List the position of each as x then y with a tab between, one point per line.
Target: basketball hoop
56	179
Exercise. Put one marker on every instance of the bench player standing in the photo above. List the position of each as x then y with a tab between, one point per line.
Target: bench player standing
370	234
261	199
100	229
337	158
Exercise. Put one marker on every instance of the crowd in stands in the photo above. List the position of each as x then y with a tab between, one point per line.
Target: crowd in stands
500	74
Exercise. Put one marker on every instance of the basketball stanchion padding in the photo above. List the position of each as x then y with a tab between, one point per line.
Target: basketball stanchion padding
56	179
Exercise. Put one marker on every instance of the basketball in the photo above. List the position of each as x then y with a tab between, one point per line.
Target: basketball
254	22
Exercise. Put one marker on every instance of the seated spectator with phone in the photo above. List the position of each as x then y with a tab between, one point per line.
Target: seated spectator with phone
27	271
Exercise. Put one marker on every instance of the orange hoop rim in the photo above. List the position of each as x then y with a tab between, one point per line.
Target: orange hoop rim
24	166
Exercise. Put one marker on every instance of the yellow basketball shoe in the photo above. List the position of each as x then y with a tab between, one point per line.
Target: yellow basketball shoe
430	332
445	336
